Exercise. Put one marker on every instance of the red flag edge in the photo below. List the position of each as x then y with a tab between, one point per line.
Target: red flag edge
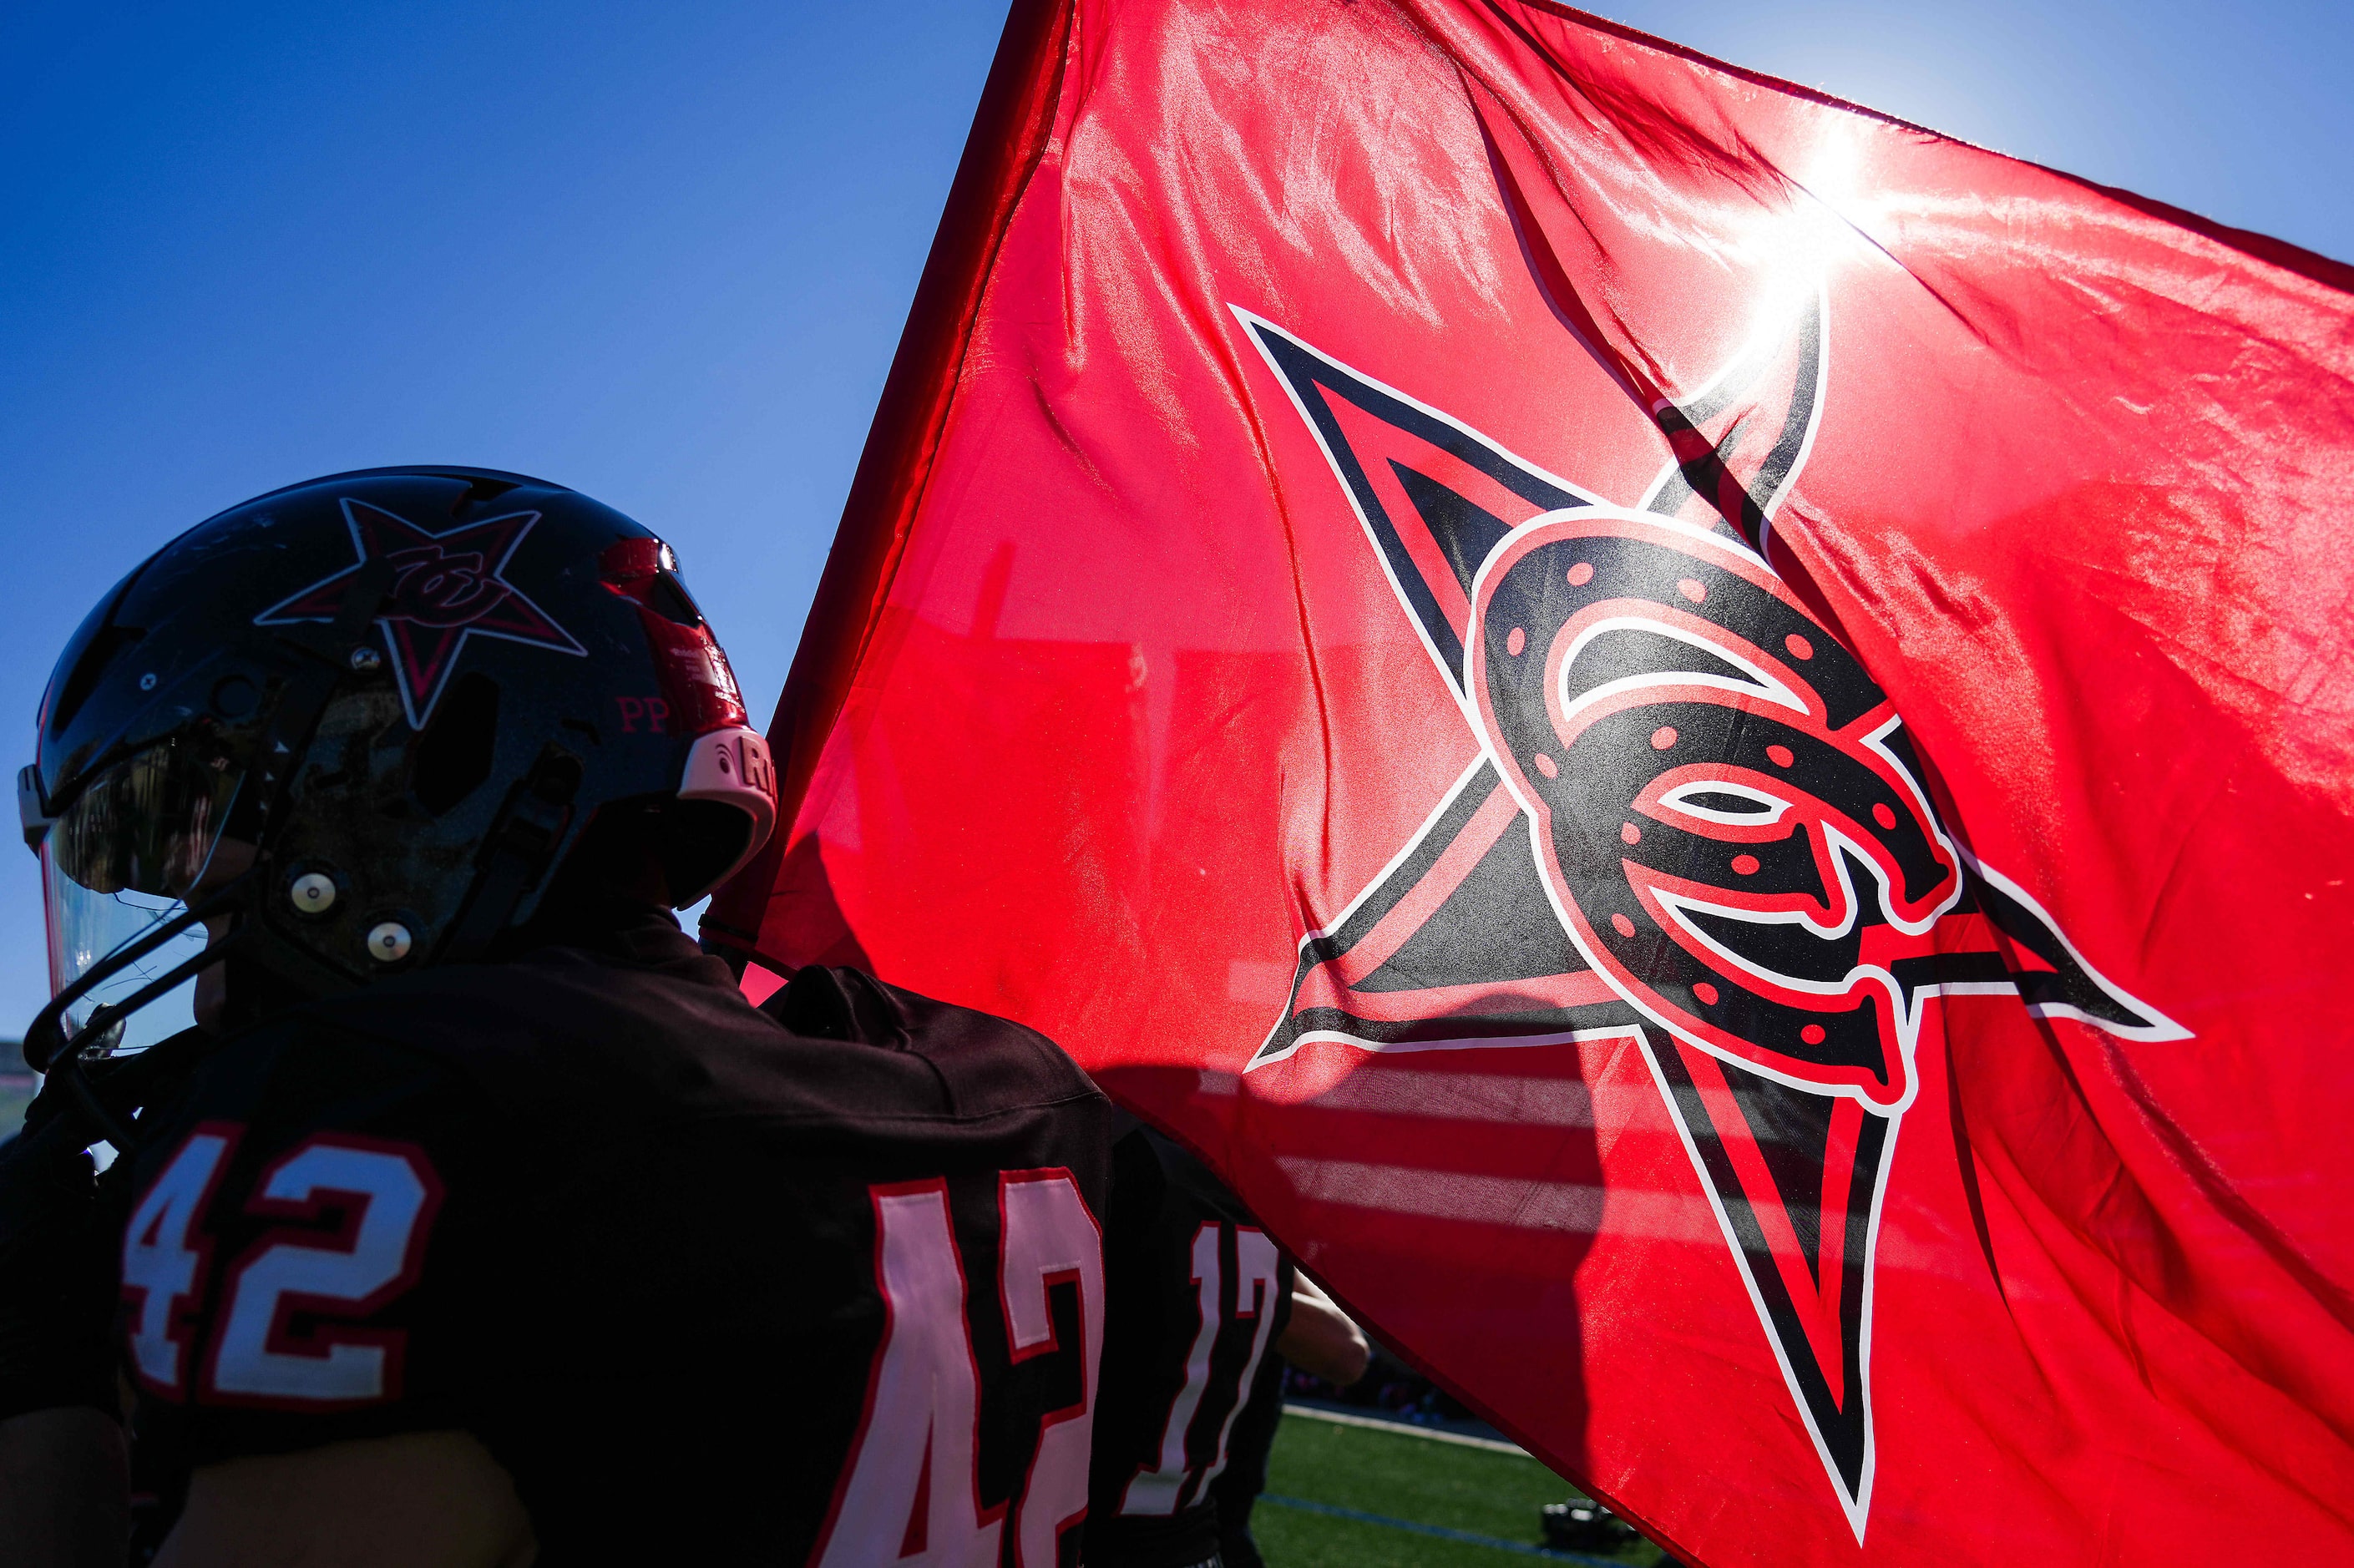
2326	271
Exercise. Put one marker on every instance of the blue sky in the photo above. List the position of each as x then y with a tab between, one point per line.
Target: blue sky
662	252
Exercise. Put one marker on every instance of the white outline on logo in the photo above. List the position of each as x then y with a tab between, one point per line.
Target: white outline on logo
1763	343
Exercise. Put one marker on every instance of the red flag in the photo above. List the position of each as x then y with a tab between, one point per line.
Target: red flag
1702	738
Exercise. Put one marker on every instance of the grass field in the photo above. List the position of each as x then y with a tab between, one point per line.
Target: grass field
1406	1478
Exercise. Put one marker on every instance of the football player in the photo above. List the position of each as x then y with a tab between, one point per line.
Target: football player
480	1219
1199	1300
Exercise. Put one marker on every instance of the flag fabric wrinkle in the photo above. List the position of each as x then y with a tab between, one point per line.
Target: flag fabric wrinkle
1699	737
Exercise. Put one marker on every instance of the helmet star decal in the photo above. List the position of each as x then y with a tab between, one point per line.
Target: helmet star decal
447	588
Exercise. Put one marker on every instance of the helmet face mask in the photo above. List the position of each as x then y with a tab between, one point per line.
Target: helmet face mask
403	695
124	858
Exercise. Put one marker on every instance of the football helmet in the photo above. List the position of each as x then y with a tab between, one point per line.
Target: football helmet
356	726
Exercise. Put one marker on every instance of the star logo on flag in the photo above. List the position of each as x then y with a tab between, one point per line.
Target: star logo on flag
447	588
1691	821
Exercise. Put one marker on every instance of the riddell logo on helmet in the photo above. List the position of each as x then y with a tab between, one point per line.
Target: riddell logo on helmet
445	588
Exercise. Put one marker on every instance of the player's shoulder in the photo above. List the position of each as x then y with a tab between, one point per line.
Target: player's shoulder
645	1019
973	1065
469	1050
585	1050
299	1070
296	1086
656	1031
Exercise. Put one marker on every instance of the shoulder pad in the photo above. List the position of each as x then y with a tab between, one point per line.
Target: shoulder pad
837	1004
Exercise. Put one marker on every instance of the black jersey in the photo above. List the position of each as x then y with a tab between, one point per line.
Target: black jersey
1196	1294
817	1283
1249	1447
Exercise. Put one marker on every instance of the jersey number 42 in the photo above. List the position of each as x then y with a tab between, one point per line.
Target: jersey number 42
911	1491
387	1194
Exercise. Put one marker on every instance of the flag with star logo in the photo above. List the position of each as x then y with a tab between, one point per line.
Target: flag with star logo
1698	736
446	588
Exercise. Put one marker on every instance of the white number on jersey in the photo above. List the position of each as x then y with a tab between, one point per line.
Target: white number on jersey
1051	1239
915	1443
1173	1484
388	1193
164	1254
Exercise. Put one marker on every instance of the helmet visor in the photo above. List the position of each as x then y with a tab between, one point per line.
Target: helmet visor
123	859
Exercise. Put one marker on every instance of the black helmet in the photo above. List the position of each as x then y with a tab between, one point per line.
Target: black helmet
409	692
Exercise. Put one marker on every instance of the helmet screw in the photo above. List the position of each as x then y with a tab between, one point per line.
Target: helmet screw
388	943
147	681
366	659
313	892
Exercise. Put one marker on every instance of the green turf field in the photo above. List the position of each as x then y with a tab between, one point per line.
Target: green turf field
1408	1478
